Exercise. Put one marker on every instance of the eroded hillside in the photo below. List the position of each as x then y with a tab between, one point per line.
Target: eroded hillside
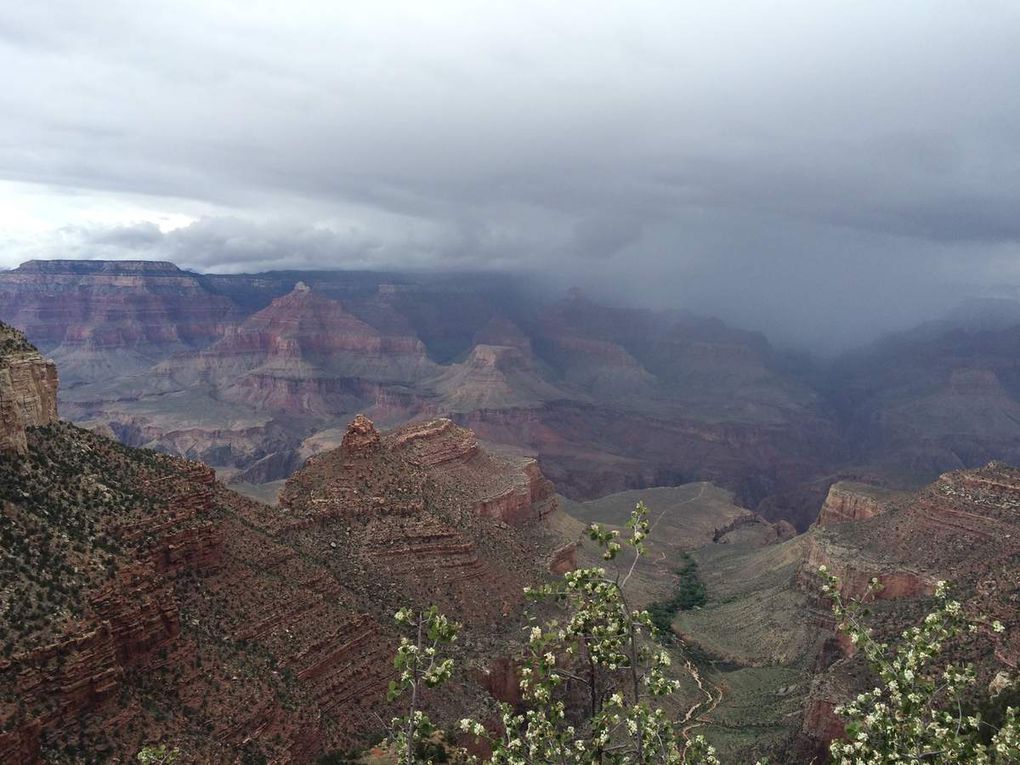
145	602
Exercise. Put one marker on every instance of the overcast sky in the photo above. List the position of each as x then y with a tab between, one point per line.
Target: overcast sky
819	170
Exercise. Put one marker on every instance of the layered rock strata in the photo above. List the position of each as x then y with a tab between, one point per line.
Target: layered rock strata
28	390
160	607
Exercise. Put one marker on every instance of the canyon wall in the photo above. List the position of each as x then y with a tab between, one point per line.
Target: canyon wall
963	529
148	603
243	371
28	390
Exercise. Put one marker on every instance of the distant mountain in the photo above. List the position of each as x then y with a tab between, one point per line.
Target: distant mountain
941	397
250	373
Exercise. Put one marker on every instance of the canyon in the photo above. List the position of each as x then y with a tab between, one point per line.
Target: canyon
146	601
767	618
253	374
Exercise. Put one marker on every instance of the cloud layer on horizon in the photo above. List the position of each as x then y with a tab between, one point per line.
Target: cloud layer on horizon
817	169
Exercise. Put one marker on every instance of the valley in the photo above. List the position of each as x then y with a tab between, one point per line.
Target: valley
396	446
254	373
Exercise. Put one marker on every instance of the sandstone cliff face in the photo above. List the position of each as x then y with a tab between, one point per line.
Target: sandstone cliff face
856	570
964	529
28	390
101	320
849	501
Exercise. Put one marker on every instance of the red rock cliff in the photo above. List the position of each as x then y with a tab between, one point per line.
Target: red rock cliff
851	501
28	390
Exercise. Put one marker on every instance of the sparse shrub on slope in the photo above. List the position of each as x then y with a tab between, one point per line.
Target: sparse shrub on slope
603	648
61	508
918	712
690	593
593	680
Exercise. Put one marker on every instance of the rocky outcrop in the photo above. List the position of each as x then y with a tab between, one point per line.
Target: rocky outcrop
855	572
849	501
361	436
437	442
421	504
529	497
563	559
28	390
752	525
196	548
228	626
964	529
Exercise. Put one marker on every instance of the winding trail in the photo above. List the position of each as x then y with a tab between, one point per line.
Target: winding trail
712	693
695	498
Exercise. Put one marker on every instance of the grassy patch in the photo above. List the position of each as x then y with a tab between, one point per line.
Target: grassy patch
690	592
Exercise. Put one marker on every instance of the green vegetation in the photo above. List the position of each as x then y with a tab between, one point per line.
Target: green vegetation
12	341
158	755
596	686
916	712
690	593
62	508
421	664
598	661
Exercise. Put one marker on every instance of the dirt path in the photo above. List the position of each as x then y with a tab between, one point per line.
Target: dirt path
712	694
695	498
662	553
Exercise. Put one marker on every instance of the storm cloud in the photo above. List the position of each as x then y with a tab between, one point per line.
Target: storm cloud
819	170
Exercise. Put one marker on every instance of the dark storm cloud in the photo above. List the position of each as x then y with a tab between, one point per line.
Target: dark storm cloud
229	244
818	169
602	236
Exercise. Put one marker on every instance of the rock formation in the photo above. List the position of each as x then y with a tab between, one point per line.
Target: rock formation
767	618
28	390
850	501
146	602
964	529
241	371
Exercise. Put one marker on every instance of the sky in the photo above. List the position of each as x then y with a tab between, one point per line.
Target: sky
822	171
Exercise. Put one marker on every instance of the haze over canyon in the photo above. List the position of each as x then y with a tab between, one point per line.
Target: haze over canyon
254	373
313	312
